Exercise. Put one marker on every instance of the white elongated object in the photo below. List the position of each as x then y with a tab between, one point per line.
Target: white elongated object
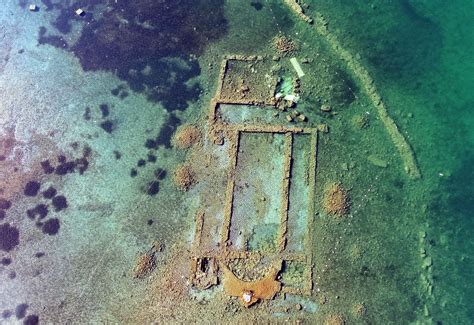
291	98
80	12
297	67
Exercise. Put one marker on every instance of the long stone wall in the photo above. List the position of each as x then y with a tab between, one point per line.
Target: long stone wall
321	26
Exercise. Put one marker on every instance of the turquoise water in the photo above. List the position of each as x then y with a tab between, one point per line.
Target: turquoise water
421	55
89	107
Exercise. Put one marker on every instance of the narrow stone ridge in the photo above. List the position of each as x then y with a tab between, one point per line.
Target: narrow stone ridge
406	152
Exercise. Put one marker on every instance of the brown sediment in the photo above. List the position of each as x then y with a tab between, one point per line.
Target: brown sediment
359	310
335	201
17	165
265	288
355	66
283	45
145	265
334	320
186	136
184	177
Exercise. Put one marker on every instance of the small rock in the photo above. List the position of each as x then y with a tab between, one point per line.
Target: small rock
377	161
427	262
326	108
301	117
324	128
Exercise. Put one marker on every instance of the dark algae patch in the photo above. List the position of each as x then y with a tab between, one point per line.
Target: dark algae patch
165	134
49	193
149	61
153	188
257	5
20	311
59	203
31	188
51	227
31	320
9	237
5	261
47	167
104	109
107	126
40	211
5	204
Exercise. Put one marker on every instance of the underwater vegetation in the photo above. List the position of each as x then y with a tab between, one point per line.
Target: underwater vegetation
151	45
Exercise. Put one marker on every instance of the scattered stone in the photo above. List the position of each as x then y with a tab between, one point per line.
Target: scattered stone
336	201
145	265
334	320
359	310
374	160
324	128
184	177
427	262
186	136
326	108
361	121
283	45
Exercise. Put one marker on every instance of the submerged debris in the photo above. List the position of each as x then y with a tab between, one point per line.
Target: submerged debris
187	136
145	265
336	201
283	44
334	320
184	177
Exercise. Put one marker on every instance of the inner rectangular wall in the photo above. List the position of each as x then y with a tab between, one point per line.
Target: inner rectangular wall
256	212
299	200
